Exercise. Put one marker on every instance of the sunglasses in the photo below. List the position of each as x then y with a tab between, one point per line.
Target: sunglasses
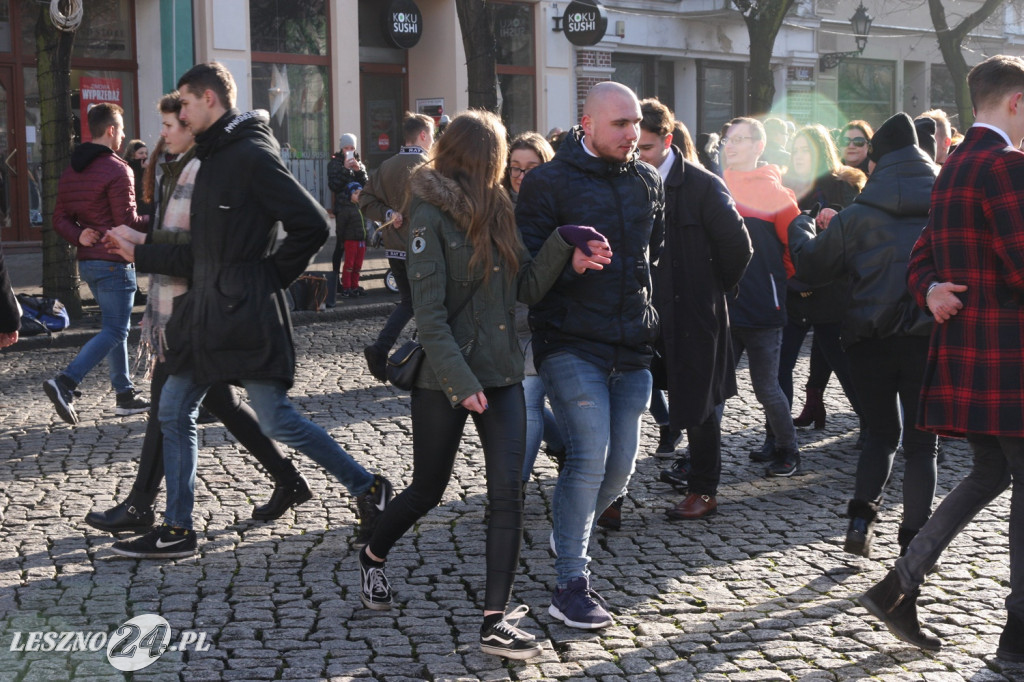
855	141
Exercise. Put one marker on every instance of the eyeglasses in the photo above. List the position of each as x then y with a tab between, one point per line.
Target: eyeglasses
737	139
855	141
514	172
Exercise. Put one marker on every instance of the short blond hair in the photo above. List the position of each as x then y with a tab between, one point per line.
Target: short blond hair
941	119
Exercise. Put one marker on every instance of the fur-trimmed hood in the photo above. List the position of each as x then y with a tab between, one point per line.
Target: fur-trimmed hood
854	177
443	192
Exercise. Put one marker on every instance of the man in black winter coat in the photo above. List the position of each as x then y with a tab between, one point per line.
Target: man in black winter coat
233	325
707	249
594	333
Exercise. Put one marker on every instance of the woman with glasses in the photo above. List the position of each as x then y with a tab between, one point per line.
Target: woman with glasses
817	177
853	143
526	152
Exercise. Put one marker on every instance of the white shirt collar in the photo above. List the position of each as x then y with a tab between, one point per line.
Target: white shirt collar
994	129
583	141
666	166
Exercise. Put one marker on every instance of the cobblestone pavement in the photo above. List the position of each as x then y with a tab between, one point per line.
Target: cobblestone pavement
762	591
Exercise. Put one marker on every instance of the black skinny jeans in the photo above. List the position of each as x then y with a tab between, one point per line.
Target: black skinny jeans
436	433
883	371
238	418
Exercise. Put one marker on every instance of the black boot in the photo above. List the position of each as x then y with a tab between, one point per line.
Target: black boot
611	518
134	515
814	410
1011	642
285	495
667	440
861	532
904	536
332	290
897	608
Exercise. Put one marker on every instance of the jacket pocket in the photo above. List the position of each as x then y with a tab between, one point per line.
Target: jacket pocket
241	310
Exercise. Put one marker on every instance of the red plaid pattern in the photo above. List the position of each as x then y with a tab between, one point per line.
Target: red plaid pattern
974	381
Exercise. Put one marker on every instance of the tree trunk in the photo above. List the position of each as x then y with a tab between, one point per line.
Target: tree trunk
763	19
56	135
478	41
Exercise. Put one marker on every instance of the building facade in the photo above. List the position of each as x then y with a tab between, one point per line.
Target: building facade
327	67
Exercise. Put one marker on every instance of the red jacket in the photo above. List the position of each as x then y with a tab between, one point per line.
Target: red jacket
974	380
97	190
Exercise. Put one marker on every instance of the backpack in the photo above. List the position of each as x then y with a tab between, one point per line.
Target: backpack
308	292
41	315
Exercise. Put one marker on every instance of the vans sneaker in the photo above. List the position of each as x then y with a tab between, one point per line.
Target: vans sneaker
62	393
165	542
129	402
374	588
505	639
578	606
786	464
371	505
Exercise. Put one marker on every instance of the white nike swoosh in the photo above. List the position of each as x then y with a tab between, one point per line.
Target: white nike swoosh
160	544
383	499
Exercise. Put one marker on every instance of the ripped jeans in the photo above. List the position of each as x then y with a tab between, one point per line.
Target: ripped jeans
599	413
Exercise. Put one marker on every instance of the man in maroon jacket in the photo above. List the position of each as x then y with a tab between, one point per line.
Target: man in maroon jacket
96	193
967	269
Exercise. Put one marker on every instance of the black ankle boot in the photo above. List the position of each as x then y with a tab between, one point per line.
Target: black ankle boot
285	495
861	532
667	439
1011	642
133	515
897	608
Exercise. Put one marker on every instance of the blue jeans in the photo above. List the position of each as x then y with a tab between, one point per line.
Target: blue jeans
998	464
113	286
599	413
540	423
763	347
278	419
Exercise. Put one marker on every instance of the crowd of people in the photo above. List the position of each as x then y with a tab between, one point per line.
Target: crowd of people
562	286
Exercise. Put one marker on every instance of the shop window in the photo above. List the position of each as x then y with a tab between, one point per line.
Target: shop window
719	95
105	32
866	91
646	76
288	26
515	65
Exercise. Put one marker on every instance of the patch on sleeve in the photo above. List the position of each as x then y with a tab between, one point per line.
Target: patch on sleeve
419	240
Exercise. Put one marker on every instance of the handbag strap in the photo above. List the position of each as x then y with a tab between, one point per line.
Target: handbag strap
455	313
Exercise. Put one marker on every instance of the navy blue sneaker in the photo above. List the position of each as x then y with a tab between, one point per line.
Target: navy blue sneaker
578	606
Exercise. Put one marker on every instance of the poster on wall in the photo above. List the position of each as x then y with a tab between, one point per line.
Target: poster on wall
382	121
434	108
96	90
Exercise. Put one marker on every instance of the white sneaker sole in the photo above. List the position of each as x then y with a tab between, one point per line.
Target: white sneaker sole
553	611
127	411
183	554
516	654
375	605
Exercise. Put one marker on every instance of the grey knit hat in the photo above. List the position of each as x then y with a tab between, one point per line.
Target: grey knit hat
348	140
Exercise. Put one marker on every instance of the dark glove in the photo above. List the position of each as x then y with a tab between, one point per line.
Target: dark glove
579	235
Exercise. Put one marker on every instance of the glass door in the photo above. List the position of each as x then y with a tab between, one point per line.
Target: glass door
383	90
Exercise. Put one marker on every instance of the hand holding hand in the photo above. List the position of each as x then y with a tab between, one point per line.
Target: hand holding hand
8	339
599	254
127	234
943	301
580	235
476	402
123	248
824	216
396	220
89	237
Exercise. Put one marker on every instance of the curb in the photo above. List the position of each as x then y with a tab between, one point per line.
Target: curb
300	318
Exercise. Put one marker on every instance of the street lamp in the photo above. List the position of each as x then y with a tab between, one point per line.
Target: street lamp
861	23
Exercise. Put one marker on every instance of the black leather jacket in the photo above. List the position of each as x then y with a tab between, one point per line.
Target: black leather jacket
870	241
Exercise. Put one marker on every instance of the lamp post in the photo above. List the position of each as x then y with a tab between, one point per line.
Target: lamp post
861	23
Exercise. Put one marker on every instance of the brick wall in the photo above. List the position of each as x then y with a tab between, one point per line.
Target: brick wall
592	67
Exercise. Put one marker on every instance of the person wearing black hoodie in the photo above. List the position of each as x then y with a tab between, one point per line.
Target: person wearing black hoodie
233	324
884	332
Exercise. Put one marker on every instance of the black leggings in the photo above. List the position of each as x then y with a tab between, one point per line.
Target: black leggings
436	433
238	418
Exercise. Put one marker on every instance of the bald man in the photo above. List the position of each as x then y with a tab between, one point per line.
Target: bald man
594	333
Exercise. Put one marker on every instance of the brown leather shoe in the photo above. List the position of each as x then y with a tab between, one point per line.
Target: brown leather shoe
693	507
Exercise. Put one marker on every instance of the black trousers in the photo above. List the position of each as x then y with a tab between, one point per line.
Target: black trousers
238	418
436	433
886	371
705	441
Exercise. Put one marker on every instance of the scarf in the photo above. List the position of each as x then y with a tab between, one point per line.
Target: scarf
164	288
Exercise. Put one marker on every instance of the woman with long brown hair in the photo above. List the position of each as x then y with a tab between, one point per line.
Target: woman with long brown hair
467	266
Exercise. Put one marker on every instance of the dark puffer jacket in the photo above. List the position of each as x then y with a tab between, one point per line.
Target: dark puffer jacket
870	242
234	323
605	317
96	191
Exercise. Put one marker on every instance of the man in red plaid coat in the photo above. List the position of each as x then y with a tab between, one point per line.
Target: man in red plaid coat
967	268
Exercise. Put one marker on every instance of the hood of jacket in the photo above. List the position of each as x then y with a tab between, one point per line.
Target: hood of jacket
87	152
901	184
234	126
759	190
574	153
443	192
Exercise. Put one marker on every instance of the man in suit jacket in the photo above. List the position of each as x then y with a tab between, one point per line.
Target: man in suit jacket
10	311
967	269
